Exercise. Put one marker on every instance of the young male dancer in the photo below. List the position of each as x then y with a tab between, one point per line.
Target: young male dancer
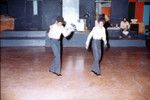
98	33
54	34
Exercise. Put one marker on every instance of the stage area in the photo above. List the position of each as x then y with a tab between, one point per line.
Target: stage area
25	75
78	39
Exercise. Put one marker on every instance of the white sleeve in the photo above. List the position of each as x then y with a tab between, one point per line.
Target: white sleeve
89	37
50	31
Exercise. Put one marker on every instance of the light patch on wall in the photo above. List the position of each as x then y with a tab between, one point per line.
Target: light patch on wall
71	10
35	7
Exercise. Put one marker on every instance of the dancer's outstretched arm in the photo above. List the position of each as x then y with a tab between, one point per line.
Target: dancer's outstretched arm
89	38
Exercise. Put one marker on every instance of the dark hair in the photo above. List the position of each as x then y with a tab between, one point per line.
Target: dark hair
101	17
101	20
60	19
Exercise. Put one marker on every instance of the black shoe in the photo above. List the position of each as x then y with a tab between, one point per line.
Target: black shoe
55	73
58	74
99	75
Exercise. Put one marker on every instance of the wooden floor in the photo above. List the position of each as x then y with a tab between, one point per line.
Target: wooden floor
25	74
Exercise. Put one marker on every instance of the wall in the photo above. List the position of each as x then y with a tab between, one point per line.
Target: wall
119	10
106	10
70	11
22	10
139	10
146	17
3	7
131	11
17	9
87	6
48	10
33	22
142	11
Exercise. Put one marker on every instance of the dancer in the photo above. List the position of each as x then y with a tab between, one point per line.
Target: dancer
106	25
54	34
98	33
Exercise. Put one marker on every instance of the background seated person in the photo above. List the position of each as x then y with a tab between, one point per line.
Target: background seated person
125	28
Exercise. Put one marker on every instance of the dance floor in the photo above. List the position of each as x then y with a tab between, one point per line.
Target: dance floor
25	74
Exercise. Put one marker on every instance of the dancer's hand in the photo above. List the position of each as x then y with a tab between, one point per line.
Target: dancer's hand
70	28
105	42
86	47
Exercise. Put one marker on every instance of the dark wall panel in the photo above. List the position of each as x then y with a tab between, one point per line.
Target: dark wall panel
3	9
119	10
17	9
51	9
33	21
87	6
131	12
48	10
22	10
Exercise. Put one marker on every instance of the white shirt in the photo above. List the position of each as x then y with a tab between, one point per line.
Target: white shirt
97	33
56	31
124	25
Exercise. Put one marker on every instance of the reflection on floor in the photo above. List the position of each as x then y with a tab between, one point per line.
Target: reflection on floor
25	76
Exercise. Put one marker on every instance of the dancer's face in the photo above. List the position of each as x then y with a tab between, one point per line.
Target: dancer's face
59	23
101	24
